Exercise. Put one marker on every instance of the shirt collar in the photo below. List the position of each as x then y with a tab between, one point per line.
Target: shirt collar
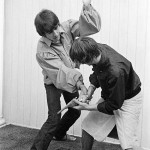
49	42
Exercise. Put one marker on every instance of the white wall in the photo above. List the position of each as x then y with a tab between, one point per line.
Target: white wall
2	121
125	27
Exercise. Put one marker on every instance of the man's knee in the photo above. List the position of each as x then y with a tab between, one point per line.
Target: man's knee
76	113
53	118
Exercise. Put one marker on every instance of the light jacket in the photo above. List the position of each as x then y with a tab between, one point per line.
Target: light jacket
57	66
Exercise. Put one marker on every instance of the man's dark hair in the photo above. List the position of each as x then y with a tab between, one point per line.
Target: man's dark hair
45	21
83	50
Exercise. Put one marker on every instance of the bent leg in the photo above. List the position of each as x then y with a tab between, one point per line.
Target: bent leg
127	119
47	131
68	118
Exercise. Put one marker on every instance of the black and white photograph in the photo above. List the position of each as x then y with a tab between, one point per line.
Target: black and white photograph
74	74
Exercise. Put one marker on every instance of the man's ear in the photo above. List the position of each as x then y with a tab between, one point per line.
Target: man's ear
77	65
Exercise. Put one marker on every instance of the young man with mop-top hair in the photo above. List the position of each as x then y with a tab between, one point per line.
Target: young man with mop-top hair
60	75
120	101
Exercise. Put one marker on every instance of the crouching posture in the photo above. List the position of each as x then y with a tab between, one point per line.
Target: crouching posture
121	99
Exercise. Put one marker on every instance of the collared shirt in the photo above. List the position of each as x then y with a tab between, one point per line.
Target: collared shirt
53	58
117	79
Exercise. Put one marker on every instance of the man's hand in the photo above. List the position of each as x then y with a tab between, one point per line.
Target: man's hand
84	106
83	98
80	105
70	104
86	2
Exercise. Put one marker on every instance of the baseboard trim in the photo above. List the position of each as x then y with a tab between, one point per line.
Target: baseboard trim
2	122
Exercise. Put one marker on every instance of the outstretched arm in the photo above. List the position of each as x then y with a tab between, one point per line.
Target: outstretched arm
89	22
84	106
72	103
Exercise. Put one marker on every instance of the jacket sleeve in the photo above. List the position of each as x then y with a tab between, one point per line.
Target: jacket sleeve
116	95
89	23
63	78
93	80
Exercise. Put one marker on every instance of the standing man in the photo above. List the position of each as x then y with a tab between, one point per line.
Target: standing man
60	75
121	99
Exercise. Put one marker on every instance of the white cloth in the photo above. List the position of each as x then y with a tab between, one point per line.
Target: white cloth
99	125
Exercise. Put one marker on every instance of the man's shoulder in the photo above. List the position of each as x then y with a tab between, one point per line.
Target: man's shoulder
42	47
115	71
67	24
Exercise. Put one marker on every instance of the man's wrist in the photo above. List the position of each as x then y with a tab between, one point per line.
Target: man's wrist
92	86
83	89
93	107
79	84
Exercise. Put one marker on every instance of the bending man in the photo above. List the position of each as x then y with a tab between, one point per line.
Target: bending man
121	100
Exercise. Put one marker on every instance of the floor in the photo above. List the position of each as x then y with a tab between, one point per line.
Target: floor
20	138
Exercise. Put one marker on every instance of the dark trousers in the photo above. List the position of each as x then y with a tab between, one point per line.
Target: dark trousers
88	140
55	125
